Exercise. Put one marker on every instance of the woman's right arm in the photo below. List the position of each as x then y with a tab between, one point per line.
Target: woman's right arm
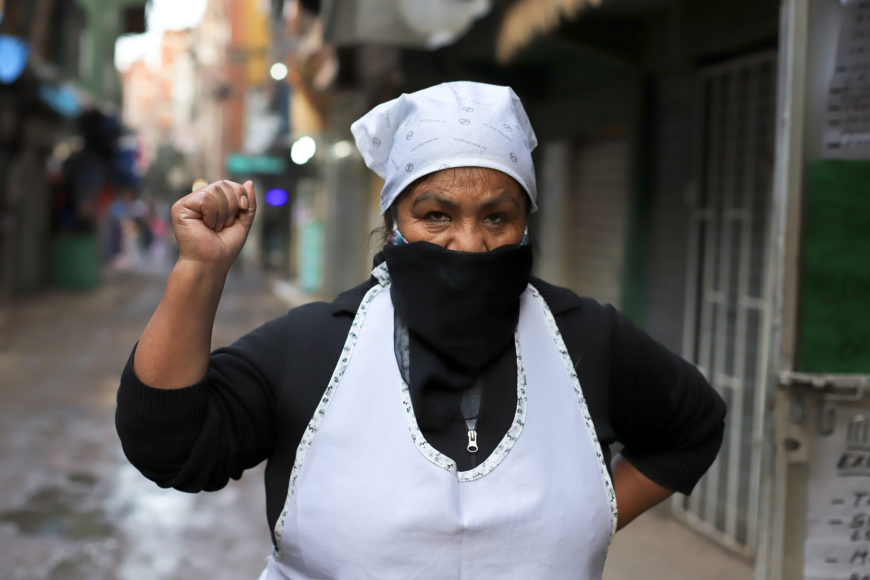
188	418
210	226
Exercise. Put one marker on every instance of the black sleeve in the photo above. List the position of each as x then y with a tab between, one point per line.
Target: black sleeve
661	408
196	438
653	403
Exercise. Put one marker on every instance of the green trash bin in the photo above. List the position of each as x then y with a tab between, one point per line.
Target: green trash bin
75	261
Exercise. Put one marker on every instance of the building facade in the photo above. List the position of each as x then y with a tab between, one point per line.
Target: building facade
60	107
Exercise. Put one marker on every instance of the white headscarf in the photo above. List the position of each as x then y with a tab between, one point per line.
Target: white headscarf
455	124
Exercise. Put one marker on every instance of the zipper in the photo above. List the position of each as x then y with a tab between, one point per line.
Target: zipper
472	439
470	407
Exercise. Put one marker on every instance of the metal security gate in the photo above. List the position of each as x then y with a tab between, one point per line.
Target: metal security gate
726	300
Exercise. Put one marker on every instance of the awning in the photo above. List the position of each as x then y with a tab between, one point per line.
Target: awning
526	20
408	23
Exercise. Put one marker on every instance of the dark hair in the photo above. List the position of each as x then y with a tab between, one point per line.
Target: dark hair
381	234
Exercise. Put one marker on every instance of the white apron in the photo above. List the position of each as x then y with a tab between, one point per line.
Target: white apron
370	498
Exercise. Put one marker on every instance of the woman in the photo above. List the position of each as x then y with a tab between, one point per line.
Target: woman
452	417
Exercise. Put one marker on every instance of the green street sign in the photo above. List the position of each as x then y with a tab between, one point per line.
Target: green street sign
240	164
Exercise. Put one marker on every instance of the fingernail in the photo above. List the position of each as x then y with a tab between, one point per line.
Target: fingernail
243	202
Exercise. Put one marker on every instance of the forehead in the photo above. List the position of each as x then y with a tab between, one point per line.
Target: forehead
466	181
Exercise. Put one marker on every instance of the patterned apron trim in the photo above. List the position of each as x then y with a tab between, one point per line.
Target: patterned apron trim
320	411
504	446
590	426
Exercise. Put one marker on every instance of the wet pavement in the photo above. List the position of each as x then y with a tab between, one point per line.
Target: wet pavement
72	508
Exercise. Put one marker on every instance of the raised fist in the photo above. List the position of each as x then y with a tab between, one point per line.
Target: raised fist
211	224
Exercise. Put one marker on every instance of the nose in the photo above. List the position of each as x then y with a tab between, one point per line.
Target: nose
468	239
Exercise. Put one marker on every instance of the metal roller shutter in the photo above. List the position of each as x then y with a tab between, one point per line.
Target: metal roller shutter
599	218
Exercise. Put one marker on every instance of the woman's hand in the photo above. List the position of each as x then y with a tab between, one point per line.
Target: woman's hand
212	223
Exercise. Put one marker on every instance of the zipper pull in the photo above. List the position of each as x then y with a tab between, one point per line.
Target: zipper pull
472	441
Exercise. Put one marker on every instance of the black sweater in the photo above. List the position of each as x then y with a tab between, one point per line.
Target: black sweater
259	394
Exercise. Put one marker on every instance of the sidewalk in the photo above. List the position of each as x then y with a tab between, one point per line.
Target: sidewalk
71	506
657	547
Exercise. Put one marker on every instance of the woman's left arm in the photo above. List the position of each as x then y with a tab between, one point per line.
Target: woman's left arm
635	492
668	418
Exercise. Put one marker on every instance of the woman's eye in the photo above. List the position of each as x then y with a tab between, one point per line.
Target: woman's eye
437	216
496	219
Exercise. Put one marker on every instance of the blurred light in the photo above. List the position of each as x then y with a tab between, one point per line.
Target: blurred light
13	57
303	150
67	147
62	151
278	71
176	177
342	149
277	197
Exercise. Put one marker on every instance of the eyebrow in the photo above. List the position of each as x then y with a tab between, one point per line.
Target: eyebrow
434	197
452	204
501	198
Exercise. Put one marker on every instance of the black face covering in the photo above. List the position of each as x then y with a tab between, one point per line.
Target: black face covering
461	310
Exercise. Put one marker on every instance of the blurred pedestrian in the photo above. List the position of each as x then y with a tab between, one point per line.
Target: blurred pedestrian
452	416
